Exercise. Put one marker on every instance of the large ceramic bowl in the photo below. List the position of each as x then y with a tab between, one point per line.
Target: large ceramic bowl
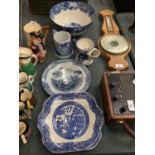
74	17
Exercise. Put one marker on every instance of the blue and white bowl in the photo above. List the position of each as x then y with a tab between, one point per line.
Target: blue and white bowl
74	17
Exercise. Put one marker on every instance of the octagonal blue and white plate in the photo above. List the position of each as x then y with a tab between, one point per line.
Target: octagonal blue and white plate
70	122
65	76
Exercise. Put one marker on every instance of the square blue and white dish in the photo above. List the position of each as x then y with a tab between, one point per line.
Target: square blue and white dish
65	76
70	123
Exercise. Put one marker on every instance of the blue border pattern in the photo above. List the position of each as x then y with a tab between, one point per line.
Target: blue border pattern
55	63
74	28
70	147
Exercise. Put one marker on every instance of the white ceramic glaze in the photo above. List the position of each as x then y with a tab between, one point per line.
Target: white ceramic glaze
62	37
85	44
87	51
63	43
72	16
64	18
65	76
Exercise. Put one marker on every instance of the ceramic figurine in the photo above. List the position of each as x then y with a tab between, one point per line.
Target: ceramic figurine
23	113
32	26
28	99
26	59
63	44
24	131
37	45
86	51
75	17
25	81
36	36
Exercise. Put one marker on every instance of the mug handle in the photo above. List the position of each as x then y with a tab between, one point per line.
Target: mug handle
35	58
93	50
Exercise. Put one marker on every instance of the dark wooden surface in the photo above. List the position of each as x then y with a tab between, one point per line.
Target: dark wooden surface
115	141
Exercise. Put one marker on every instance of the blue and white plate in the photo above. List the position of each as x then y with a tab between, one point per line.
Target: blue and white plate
65	76
70	122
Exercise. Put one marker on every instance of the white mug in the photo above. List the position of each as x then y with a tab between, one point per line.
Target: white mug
87	51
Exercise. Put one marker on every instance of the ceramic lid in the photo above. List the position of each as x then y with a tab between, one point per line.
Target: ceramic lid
114	43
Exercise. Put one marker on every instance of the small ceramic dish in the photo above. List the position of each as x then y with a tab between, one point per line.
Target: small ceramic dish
70	122
74	17
65	76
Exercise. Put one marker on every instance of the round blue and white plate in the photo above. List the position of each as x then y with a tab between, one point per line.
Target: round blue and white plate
70	122
65	76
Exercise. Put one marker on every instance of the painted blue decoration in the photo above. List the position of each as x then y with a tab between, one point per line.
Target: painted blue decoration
63	49
66	86
70	121
74	28
75	122
65	76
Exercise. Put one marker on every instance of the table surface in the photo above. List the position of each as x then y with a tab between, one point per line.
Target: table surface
114	139
125	20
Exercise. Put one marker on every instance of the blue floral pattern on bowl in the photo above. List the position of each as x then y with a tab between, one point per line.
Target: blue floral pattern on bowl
66	118
65	76
74	28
